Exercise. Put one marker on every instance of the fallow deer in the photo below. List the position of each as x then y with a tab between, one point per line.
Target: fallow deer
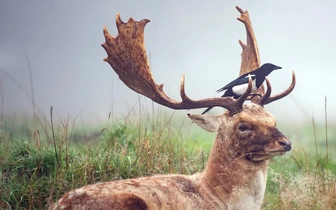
236	171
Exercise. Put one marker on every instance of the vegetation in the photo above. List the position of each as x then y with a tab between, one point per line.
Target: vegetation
37	166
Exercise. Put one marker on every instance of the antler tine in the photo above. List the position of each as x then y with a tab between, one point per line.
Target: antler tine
243	97
284	93
265	97
250	54
126	54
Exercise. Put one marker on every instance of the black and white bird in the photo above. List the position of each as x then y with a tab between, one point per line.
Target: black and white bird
239	86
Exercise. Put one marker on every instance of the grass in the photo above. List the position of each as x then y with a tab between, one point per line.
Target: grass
38	167
31	177
306	177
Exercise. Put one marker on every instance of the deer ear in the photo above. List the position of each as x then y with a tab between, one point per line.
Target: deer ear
208	122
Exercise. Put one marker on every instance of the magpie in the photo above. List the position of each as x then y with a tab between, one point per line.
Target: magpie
239	86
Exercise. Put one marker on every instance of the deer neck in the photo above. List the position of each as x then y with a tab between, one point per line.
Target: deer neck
237	181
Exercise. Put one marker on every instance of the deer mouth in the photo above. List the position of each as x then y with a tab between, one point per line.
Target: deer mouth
265	155
278	153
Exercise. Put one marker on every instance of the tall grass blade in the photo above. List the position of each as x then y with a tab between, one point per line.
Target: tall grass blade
2	100
31	85
53	134
315	140
326	128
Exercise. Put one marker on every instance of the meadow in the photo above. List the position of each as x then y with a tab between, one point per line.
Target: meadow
40	160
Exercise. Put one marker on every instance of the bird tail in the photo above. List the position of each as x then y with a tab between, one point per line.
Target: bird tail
208	109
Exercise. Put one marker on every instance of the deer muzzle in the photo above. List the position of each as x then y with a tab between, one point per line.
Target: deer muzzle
286	144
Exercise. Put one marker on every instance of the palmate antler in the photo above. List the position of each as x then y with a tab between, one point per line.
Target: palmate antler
251	60
126	54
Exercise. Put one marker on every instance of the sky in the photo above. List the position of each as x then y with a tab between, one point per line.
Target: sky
60	42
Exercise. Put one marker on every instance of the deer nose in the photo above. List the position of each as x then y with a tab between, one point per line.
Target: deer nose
286	144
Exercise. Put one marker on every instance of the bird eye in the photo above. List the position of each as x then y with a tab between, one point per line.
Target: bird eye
242	127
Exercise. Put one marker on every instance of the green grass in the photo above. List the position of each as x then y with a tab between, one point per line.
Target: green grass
31	177
305	178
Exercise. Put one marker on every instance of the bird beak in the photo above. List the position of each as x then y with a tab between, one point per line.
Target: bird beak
277	67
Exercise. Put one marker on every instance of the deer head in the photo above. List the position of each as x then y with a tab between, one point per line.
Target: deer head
235	175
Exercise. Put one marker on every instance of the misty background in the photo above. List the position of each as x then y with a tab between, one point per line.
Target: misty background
61	41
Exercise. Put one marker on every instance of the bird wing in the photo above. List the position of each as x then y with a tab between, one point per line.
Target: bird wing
240	80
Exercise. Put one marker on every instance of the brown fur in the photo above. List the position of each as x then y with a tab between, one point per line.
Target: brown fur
234	178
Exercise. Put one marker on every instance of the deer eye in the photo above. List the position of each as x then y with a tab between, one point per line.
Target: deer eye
242	127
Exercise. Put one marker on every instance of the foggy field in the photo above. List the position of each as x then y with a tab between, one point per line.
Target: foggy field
32	174
51	55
